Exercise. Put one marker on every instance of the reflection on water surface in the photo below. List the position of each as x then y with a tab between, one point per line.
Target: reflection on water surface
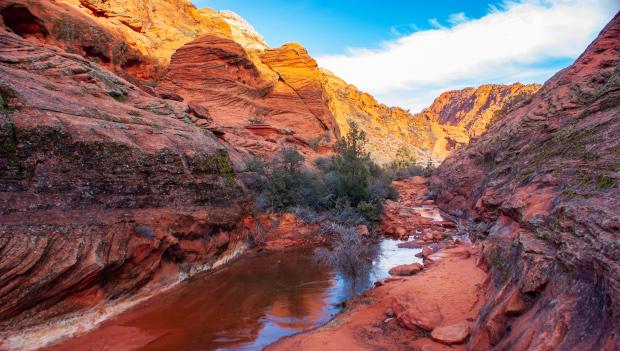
246	305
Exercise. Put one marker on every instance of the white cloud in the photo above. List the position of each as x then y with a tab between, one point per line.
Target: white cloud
525	41
435	23
457	18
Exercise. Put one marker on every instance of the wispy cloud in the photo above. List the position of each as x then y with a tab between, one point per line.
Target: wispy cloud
435	23
402	30
457	18
523	41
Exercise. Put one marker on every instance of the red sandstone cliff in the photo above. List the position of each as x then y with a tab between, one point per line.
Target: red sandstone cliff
101	186
123	127
283	87
273	93
540	188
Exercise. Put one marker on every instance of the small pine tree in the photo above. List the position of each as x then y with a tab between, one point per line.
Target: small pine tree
351	166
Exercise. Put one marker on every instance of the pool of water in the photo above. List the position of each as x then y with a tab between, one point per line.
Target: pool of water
250	303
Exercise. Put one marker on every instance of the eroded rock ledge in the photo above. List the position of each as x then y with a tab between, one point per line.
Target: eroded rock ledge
540	191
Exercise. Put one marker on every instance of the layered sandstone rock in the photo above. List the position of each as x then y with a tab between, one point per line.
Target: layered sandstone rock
158	28
475	108
285	88
107	191
274	95
541	188
104	189
63	25
136	37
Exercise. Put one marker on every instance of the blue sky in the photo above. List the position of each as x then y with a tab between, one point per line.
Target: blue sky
330	27
406	53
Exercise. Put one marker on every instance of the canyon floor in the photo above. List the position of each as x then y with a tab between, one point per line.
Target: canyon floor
453	283
395	315
447	292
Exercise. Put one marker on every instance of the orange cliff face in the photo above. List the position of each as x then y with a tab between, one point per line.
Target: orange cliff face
269	98
389	128
433	134
285	88
475	108
158	28
135	37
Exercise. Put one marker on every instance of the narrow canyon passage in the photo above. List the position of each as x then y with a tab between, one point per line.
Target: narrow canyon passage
173	178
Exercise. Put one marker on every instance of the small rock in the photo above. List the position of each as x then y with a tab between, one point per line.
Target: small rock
515	305
406	269
217	130
170	96
401	232
409	245
427	251
198	110
451	334
202	122
447	224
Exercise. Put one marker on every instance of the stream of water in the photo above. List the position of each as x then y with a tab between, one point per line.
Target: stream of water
248	304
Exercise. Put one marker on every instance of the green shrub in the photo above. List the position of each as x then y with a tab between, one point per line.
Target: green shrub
605	182
347	185
215	164
254	121
7	95
352	167
404	158
8	146
370	211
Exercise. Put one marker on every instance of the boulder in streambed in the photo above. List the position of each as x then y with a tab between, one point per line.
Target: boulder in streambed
411	313
406	269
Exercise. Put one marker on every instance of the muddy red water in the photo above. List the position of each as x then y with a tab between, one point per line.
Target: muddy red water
246	305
